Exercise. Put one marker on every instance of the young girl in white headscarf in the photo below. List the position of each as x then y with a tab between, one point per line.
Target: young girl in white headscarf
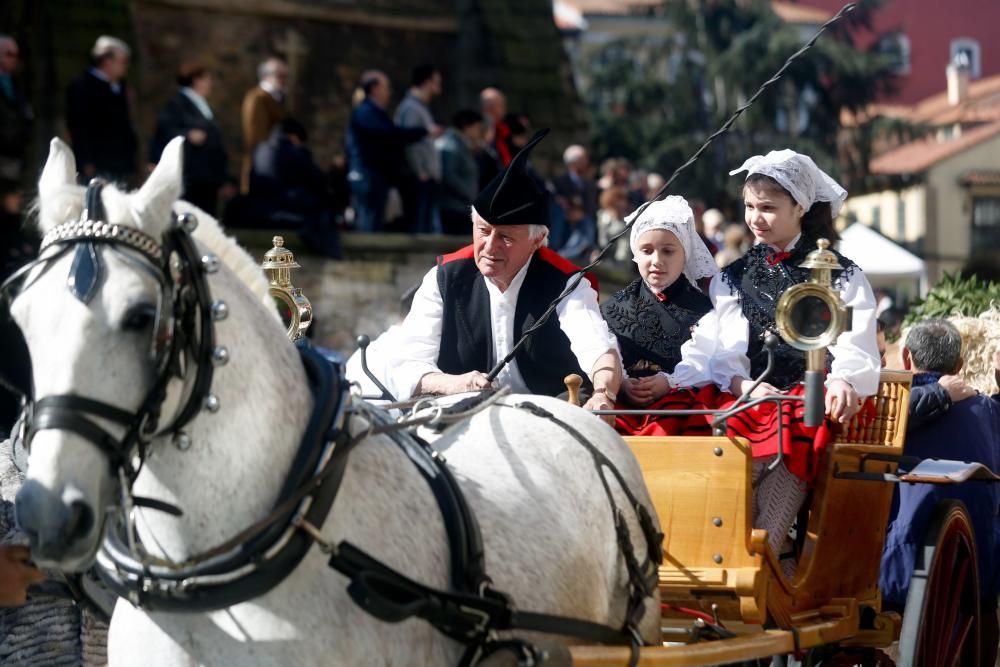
789	204
654	315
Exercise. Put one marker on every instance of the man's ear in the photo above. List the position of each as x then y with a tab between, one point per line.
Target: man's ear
907	360
958	366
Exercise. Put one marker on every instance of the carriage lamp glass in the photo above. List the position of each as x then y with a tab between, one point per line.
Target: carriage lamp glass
293	307
811	315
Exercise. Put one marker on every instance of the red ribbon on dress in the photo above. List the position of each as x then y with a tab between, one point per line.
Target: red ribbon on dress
776	257
660	296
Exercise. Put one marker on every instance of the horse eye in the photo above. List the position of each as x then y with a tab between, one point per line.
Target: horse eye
139	317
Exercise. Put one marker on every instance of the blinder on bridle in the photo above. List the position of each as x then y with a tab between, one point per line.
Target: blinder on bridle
182	338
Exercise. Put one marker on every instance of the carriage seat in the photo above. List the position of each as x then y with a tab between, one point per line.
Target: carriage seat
701	489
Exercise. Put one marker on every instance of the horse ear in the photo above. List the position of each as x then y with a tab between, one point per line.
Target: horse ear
164	185
59	171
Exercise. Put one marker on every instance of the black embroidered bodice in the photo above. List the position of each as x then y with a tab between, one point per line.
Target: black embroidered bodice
759	284
650	332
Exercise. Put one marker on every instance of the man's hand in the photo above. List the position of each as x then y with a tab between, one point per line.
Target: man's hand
444	383
956	387
16	574
841	401
600	401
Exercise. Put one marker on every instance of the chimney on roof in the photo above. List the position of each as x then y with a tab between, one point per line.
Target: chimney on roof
958	72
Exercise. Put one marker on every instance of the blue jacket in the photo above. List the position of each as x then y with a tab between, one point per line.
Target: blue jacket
969	431
375	143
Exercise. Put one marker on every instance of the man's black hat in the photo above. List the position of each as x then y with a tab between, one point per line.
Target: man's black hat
515	196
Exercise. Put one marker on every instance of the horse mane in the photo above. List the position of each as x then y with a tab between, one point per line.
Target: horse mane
67	204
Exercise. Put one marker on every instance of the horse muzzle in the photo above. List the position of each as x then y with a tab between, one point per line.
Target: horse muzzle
62	528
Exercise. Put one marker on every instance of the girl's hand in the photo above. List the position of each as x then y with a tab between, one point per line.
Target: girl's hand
739	385
636	392
841	401
658	386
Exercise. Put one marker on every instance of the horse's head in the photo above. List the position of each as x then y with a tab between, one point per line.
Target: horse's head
91	311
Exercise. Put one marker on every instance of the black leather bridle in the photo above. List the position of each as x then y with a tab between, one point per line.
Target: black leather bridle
183	335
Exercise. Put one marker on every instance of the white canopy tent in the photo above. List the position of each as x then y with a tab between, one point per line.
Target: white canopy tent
885	263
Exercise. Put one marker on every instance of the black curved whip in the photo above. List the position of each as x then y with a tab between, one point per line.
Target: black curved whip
845	10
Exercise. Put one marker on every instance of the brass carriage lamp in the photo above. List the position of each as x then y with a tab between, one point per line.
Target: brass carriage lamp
293	307
810	316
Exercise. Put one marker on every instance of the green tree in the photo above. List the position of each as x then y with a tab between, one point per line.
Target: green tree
655	100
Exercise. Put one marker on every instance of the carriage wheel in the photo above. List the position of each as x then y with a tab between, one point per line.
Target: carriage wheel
941	618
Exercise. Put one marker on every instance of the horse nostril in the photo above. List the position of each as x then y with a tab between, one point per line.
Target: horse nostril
79	522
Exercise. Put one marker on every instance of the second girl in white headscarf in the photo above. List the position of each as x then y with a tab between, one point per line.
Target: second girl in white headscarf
654	315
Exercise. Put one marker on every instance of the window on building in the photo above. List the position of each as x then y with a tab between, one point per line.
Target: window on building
970	49
985	224
897	45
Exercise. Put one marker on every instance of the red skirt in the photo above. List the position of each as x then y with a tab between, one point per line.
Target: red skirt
802	445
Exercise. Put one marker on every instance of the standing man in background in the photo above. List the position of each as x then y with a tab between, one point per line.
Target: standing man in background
375	151
98	116
493	106
15	116
420	183
263	108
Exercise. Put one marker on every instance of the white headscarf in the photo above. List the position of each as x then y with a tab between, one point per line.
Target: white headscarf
675	215
798	174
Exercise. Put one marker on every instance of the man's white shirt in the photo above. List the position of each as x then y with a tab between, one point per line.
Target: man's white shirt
418	343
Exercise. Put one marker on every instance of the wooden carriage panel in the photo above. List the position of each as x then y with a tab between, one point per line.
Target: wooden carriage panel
848	519
702	493
700	487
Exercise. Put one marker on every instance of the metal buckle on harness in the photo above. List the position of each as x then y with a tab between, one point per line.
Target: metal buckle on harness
482	626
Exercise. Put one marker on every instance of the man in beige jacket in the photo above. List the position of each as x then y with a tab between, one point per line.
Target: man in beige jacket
263	108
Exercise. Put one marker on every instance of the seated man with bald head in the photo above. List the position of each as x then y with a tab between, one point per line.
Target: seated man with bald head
473	307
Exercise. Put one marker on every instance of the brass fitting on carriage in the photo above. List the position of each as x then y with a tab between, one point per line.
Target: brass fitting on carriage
810	316
293	307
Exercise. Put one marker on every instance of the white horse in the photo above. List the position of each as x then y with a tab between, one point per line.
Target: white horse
547	525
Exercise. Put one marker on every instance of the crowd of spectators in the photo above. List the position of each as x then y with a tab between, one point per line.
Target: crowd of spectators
401	170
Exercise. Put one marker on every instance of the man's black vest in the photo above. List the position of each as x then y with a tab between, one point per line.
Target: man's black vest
467	334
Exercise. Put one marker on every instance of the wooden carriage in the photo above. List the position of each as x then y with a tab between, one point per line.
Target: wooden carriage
725	598
717	563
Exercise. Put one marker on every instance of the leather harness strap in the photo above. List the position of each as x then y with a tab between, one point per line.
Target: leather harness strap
473	612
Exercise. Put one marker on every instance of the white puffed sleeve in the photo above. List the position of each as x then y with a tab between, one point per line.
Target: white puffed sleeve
418	342
730	358
581	320
855	353
717	348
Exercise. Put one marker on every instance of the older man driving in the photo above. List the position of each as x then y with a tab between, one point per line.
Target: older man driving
473	307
